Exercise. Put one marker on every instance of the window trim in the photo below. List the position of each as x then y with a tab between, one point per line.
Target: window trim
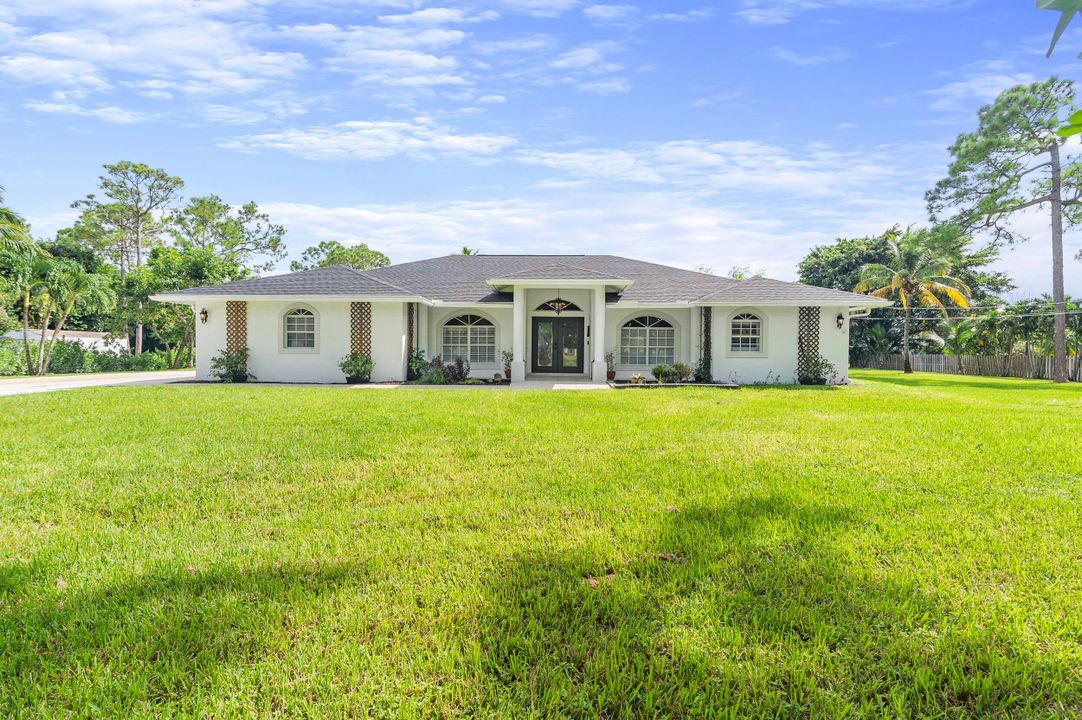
751	354
672	325
289	310
469	337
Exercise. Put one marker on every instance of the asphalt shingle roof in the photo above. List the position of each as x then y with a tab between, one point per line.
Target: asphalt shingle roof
464	279
333	280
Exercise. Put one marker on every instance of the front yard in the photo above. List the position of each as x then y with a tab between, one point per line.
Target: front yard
911	546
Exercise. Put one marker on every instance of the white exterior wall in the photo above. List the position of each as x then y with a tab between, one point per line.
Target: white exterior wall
270	361
686	350
432	333
777	363
209	336
834	343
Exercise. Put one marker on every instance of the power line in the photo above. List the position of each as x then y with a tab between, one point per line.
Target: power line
973	317
1001	306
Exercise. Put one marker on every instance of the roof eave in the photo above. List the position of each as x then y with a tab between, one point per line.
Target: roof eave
872	302
182	299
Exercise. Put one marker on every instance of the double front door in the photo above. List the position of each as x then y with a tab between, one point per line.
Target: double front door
558	344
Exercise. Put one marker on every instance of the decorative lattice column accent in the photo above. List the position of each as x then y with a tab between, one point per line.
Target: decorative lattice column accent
236	325
706	360
411	322
807	337
360	326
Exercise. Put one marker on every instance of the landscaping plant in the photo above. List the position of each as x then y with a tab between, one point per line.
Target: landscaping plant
231	366
357	367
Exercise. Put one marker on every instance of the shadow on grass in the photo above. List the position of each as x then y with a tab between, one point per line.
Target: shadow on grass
152	642
746	610
920	379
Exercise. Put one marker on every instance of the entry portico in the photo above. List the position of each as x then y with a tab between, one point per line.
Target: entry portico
579	316
551	336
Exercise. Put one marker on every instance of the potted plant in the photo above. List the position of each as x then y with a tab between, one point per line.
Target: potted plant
610	364
508	357
357	368
637	379
231	366
816	369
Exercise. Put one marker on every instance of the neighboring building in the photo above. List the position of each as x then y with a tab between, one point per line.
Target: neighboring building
90	340
557	314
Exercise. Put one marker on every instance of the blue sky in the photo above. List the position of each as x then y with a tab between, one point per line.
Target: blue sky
722	134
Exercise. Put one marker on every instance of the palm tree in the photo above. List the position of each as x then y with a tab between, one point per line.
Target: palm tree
469	251
13	232
71	285
25	275
915	277
953	338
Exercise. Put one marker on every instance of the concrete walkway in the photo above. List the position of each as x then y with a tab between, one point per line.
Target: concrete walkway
24	385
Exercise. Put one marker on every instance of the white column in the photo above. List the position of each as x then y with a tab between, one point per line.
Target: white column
518	336
597	336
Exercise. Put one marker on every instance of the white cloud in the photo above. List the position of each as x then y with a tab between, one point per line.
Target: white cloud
540	8
32	69
748	166
402	56
703	13
105	113
198	46
523	44
607	86
589	68
438	16
981	83
373	140
256	111
778	12
795	58
578	58
610	13
671	227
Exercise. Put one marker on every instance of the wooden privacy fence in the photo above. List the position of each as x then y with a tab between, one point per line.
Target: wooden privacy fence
1018	366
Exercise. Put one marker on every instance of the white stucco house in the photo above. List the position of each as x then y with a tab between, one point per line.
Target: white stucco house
557	314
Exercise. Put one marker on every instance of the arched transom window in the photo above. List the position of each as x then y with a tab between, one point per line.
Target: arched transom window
470	337
300	329
746	333
558	306
647	340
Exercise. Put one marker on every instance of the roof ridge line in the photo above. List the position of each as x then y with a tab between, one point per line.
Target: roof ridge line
365	273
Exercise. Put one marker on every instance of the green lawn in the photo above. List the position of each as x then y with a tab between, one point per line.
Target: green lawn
909	546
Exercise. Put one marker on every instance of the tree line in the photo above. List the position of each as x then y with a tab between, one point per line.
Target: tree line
1017	161
135	237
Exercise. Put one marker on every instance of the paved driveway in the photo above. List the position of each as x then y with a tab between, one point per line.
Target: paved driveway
23	385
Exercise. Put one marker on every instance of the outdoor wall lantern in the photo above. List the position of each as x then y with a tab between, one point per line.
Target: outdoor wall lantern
840	319
203	315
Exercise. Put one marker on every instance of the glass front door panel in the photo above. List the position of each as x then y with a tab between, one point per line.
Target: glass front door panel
545	343
570	354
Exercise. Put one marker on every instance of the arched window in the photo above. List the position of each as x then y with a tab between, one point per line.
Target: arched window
746	333
647	340
558	306
470	337
300	329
